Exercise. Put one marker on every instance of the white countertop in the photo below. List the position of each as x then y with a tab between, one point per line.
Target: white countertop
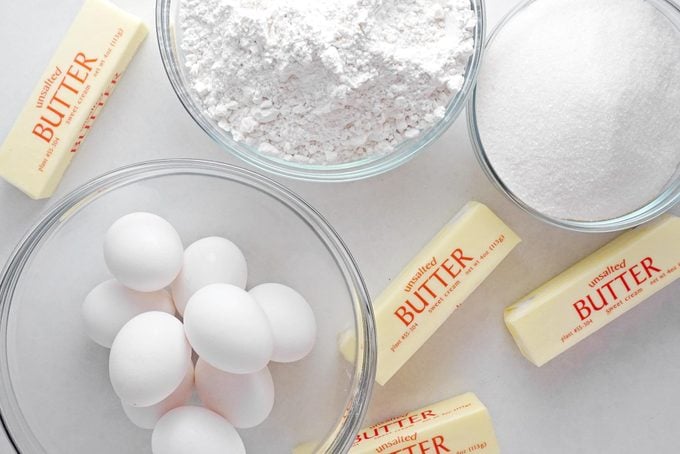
615	393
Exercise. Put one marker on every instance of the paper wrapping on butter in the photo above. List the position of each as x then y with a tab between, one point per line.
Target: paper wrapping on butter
434	284
61	109
461	424
596	290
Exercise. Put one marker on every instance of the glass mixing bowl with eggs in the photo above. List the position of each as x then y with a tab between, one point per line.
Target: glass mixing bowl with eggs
55	391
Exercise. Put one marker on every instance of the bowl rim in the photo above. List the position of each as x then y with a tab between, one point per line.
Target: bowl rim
662	203
341	437
351	171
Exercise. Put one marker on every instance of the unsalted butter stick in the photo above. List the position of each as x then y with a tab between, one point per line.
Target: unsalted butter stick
595	291
434	284
458	425
77	82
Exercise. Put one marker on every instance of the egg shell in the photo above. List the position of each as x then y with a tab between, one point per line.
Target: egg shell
195	430
143	251
149	359
244	399
291	318
207	261
110	305
228	329
147	417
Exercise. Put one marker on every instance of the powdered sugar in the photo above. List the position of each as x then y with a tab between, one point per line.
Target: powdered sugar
326	81
577	106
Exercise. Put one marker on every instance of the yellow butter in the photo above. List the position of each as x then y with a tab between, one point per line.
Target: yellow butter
460	425
434	284
61	109
595	291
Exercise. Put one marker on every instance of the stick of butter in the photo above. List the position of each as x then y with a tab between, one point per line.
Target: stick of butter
433	285
77	82
595	291
458	425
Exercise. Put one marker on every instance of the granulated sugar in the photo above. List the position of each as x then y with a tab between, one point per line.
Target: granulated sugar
578	106
326	81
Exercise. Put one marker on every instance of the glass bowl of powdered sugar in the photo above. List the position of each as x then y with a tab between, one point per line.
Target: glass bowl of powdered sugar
330	90
575	114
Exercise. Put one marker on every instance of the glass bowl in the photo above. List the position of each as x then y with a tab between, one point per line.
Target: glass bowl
665	200
55	395
172	56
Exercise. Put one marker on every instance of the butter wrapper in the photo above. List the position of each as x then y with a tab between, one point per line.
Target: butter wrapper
460	425
63	106
434	284
596	290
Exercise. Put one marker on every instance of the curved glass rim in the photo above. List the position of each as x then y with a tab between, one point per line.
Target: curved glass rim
340	438
662	203
350	171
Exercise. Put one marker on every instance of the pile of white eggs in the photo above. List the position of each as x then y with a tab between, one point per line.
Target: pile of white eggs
234	332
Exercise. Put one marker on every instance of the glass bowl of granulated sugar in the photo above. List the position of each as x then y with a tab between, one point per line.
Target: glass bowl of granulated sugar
575	114
330	90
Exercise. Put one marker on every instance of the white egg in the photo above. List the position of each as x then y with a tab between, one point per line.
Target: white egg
244	399
149	358
195	430
291	318
147	417
228	329
207	261
110	305
143	251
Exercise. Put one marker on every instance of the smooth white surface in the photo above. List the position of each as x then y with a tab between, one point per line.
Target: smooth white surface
208	261
143	251
147	417
149	358
110	305
291	319
195	429
615	393
228	329
245	400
